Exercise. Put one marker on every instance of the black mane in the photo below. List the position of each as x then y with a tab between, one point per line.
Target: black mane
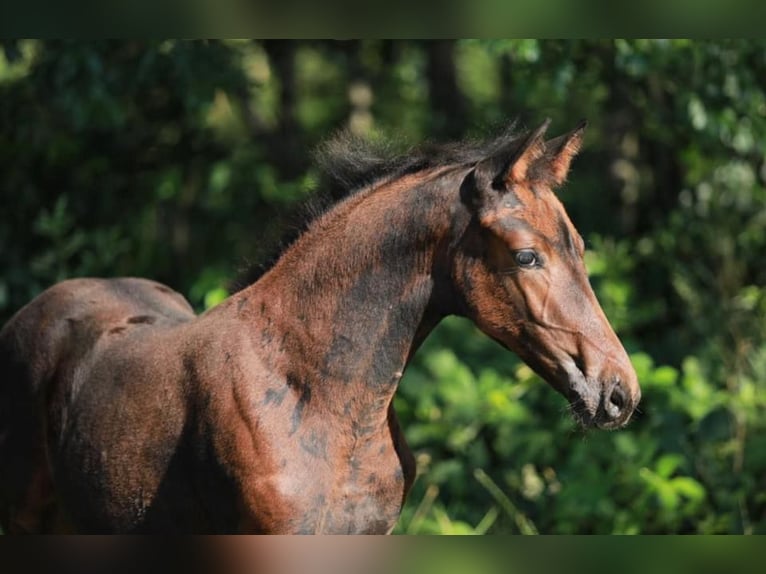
349	164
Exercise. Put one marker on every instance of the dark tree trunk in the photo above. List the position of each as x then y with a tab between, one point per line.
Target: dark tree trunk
447	102
285	147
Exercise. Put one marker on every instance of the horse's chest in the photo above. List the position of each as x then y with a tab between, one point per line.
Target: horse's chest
361	493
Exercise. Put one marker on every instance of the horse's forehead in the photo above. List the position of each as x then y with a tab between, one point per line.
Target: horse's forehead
542	211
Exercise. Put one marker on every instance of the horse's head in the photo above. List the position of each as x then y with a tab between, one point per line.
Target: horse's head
521	274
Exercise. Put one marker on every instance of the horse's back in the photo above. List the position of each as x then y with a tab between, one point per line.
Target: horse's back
41	348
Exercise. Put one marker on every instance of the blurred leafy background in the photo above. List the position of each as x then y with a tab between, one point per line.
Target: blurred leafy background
182	161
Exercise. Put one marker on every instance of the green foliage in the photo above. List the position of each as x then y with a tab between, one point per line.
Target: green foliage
177	160
677	468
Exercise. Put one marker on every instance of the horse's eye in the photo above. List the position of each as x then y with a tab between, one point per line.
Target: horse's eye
526	258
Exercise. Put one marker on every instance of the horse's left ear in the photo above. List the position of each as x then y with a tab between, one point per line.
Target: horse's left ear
531	150
560	151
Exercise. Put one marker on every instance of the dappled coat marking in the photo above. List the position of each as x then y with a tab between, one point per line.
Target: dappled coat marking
122	411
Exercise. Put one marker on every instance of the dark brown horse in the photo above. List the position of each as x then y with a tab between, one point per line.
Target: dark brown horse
122	411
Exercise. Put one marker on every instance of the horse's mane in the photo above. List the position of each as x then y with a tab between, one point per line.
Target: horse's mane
348	164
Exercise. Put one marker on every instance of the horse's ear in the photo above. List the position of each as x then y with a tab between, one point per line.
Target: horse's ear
527	154
499	172
560	151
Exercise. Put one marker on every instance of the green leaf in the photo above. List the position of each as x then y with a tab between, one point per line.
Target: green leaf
215	296
667	464
689	488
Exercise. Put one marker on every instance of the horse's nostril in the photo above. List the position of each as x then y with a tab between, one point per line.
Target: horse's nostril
617	398
616	401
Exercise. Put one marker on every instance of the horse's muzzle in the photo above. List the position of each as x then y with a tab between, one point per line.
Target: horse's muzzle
616	405
606	405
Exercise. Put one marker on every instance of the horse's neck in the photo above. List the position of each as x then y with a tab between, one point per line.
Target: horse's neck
357	293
